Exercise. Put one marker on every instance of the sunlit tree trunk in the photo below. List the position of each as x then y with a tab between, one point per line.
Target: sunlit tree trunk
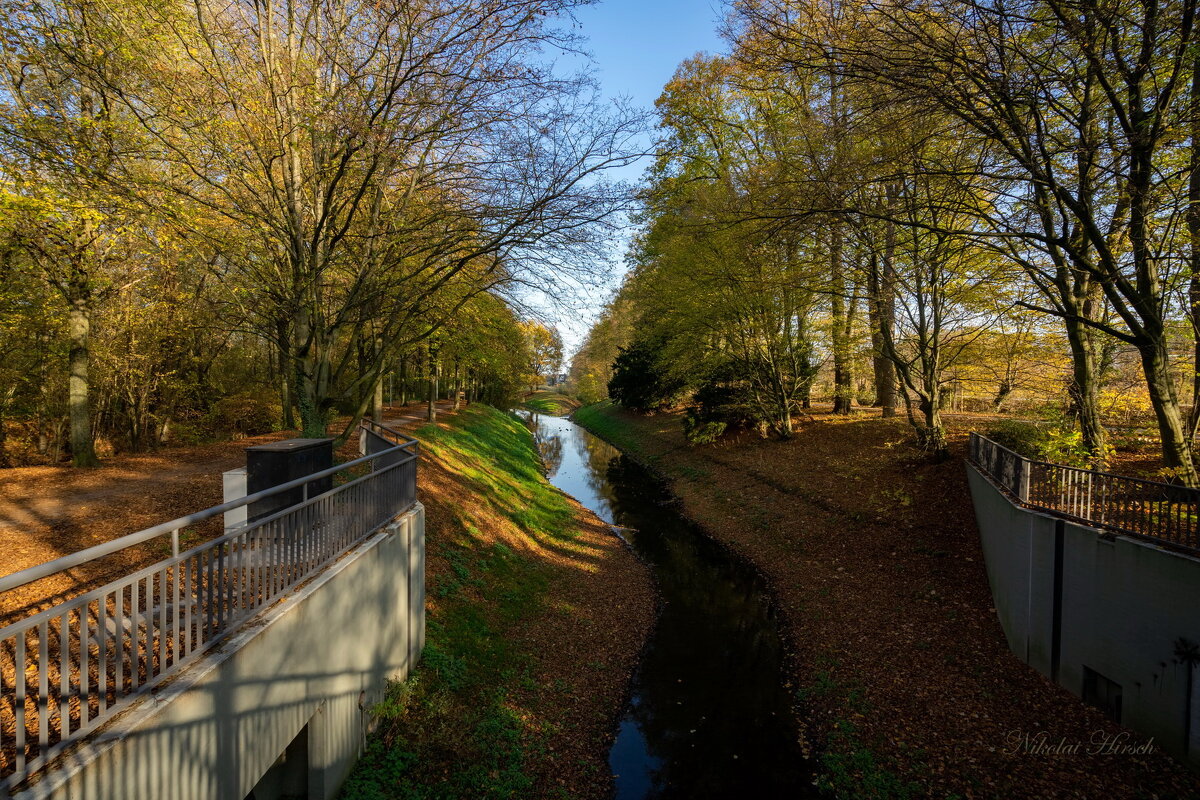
1084	387
841	313
403	381
83	453
434	369
882	289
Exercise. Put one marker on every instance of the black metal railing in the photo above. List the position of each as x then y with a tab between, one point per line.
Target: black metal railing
1160	512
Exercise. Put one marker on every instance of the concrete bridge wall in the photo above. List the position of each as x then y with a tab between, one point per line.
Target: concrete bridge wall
1104	616
281	709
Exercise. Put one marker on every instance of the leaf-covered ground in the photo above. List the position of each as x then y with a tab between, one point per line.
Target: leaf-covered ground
48	512
536	613
906	685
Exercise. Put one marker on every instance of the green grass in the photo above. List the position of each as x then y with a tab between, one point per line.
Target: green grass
454	729
851	770
549	402
601	419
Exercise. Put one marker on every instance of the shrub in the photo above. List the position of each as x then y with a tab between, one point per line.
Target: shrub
1065	447
187	432
1023	438
718	405
698	432
243	415
638	382
1055	443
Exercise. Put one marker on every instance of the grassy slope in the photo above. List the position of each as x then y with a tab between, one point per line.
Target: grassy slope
908	687
535	616
550	402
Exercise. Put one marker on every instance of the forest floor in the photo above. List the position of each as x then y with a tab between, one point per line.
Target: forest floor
536	613
906	686
48	512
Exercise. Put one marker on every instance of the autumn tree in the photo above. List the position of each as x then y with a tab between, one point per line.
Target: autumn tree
362	157
544	346
1078	103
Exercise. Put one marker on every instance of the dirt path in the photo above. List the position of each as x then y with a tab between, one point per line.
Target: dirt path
49	512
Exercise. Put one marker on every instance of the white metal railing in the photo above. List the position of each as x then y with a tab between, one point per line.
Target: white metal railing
1161	512
69	668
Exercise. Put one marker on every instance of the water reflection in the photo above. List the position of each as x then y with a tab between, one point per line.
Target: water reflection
550	448
708	715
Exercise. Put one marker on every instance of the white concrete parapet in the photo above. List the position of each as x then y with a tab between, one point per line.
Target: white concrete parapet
283	706
234	484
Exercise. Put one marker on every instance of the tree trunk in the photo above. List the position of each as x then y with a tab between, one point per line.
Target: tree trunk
283	352
457	384
4	403
285	399
403	381
312	378
377	401
1085	388
83	453
1177	456
1002	393
883	316
843	378
433	387
1193	225
931	436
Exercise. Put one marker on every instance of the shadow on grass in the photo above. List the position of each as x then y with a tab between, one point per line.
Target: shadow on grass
498	536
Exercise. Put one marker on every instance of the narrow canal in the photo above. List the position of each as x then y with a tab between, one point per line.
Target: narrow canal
708	714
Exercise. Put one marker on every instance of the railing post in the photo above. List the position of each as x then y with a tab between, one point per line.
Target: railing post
1023	480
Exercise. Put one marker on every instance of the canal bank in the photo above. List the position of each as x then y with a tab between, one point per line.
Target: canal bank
536	615
709	711
901	669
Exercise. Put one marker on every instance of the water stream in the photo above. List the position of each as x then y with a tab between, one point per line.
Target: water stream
708	713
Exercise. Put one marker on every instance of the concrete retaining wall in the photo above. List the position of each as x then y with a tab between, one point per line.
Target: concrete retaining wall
281	708
1101	615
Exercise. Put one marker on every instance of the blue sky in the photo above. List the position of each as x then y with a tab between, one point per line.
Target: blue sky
636	45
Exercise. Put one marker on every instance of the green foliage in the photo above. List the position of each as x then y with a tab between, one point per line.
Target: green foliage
699	432
718	404
1065	447
638	382
1055	443
1023	438
550	402
391	765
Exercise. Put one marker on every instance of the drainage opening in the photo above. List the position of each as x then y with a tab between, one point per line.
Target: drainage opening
1103	693
287	779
